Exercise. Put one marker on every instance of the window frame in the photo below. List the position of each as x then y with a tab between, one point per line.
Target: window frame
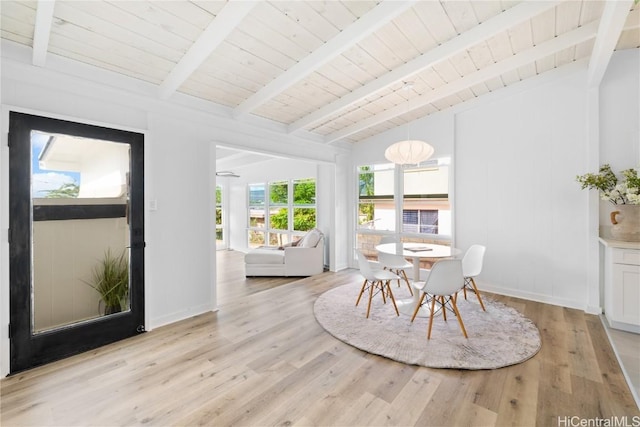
398	200
220	207
285	235
390	198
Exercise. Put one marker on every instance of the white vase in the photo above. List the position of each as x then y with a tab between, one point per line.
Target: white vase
626	223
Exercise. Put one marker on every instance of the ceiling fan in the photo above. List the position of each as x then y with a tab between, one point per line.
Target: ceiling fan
227	174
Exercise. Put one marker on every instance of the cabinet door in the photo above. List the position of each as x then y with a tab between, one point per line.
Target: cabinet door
626	293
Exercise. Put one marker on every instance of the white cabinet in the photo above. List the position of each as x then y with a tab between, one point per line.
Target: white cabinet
622	284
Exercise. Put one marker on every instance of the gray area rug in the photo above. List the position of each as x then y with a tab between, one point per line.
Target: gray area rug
499	337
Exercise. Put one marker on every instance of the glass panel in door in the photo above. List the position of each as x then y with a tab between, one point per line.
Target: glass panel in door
80	229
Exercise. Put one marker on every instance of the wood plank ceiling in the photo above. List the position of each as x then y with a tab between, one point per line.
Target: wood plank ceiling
334	68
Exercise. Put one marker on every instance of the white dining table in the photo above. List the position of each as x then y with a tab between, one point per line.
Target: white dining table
417	252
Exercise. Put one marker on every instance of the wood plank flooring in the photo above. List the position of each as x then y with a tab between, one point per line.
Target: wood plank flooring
262	359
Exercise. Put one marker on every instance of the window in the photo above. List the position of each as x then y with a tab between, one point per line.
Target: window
420	221
304	204
376	208
256	215
416	206
289	211
278	212
425	201
219	229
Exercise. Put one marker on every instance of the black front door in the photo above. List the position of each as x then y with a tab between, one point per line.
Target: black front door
76	219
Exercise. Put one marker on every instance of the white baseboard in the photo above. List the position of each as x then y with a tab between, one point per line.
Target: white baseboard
531	296
179	315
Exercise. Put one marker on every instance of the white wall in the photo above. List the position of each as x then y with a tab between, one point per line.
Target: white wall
516	160
620	118
516	153
343	228
180	230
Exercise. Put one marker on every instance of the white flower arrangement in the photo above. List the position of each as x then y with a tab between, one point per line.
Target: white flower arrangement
623	192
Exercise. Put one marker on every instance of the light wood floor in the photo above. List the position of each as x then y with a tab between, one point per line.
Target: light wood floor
262	359
626	345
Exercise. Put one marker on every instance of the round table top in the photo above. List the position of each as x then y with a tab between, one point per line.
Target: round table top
418	250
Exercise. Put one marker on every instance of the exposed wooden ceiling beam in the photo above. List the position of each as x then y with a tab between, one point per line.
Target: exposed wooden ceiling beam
42	31
487	29
361	28
540	51
612	22
215	33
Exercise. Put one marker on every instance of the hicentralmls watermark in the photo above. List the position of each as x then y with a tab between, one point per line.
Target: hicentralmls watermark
615	421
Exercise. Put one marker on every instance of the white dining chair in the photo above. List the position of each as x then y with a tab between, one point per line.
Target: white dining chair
471	267
395	263
442	285
375	281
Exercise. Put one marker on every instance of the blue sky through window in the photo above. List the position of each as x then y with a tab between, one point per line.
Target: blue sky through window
43	181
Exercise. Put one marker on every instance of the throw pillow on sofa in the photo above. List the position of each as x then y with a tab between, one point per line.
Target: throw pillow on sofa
311	239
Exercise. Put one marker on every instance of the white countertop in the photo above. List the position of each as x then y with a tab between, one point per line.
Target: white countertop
619	243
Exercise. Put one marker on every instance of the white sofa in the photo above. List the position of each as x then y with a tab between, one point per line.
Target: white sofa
305	258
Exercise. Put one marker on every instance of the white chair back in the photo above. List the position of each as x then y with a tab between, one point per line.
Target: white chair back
388	259
472	261
445	278
365	267
391	260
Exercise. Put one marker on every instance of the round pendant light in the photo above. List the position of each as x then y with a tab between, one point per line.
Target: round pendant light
409	152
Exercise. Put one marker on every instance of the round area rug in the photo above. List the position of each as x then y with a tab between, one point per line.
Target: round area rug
499	337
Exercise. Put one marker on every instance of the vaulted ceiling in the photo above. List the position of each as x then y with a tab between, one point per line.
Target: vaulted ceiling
334	68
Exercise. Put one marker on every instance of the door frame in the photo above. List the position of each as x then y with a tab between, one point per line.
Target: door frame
134	139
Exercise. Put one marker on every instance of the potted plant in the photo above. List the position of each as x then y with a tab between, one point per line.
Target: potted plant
624	193
110	278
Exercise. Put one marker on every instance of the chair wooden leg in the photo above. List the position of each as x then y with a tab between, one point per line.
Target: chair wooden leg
444	309
397	272
370	298
393	300
364	285
406	279
415	312
455	309
381	285
433	306
464	288
475	289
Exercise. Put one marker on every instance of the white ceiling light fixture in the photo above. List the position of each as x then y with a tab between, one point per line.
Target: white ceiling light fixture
227	174
410	151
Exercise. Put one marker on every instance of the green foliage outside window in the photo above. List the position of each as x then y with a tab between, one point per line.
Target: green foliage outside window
279	192
218	216
280	220
304	219
366	188
301	208
304	192
65	191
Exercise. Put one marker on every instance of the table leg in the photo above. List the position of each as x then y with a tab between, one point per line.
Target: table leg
416	269
408	306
